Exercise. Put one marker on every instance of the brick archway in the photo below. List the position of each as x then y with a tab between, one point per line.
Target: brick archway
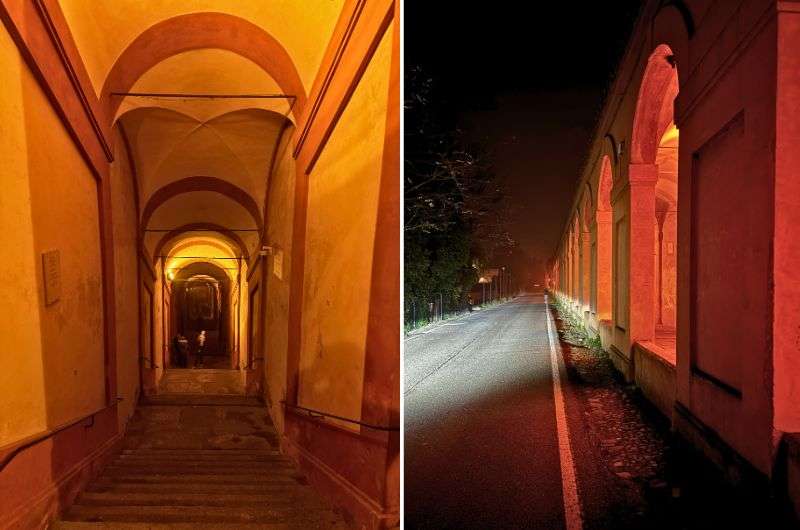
602	294
196	31
191	184
208	227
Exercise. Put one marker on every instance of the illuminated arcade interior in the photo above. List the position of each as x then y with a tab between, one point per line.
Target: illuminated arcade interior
199	164
205	276
595	269
666	238
187	167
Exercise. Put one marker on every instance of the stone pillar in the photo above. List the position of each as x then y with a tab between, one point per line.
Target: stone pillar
642	288
604	222
669	270
586	280
658	270
570	275
576	287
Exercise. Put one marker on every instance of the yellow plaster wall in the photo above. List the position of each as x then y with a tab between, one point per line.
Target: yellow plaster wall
56	364
280	213
65	217
126	279
22	396
342	209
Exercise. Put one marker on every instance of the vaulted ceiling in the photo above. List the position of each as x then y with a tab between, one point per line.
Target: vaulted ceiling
202	164
102	29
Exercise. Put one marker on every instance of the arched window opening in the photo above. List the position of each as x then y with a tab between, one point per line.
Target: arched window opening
654	208
601	295
201	305
666	238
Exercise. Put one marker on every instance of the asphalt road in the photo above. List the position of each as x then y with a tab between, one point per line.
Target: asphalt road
481	449
482	428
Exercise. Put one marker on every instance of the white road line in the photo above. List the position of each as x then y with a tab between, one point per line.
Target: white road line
572	506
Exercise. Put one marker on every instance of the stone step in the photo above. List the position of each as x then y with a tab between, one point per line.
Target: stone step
117	525
204	514
252	462
192	452
149	478
289	487
193	372
278	500
254	469
170	474
266	457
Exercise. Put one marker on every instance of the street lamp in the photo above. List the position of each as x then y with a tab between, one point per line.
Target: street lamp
483	281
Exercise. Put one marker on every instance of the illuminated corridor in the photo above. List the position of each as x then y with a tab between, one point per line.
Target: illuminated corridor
178	186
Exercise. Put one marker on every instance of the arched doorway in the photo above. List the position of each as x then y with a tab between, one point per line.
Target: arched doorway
601	293
666	230
201	303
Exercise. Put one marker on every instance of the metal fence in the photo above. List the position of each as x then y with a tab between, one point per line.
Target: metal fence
418	314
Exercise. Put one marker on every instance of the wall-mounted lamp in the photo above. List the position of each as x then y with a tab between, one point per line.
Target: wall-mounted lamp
265	251
620	149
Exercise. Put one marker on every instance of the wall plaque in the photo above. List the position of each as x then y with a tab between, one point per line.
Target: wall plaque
51	267
277	263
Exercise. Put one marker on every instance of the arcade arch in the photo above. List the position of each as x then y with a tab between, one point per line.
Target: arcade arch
653	176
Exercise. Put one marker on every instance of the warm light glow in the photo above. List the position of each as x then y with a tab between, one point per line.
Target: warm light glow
201	248
670	137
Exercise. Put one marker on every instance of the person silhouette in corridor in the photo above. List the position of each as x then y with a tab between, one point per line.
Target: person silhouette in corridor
201	344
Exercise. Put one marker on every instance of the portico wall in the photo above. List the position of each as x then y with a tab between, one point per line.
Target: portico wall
726	388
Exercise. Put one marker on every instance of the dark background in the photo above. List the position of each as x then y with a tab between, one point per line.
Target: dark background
526	79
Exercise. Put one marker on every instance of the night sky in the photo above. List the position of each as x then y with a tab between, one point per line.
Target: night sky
527	79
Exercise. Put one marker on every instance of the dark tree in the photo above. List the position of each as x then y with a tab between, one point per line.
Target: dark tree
454	216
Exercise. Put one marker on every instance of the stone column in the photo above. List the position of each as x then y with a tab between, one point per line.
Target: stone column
604	222
576	285
586	280
642	289
669	272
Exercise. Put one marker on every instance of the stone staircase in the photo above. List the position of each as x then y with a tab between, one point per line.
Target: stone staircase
200	462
